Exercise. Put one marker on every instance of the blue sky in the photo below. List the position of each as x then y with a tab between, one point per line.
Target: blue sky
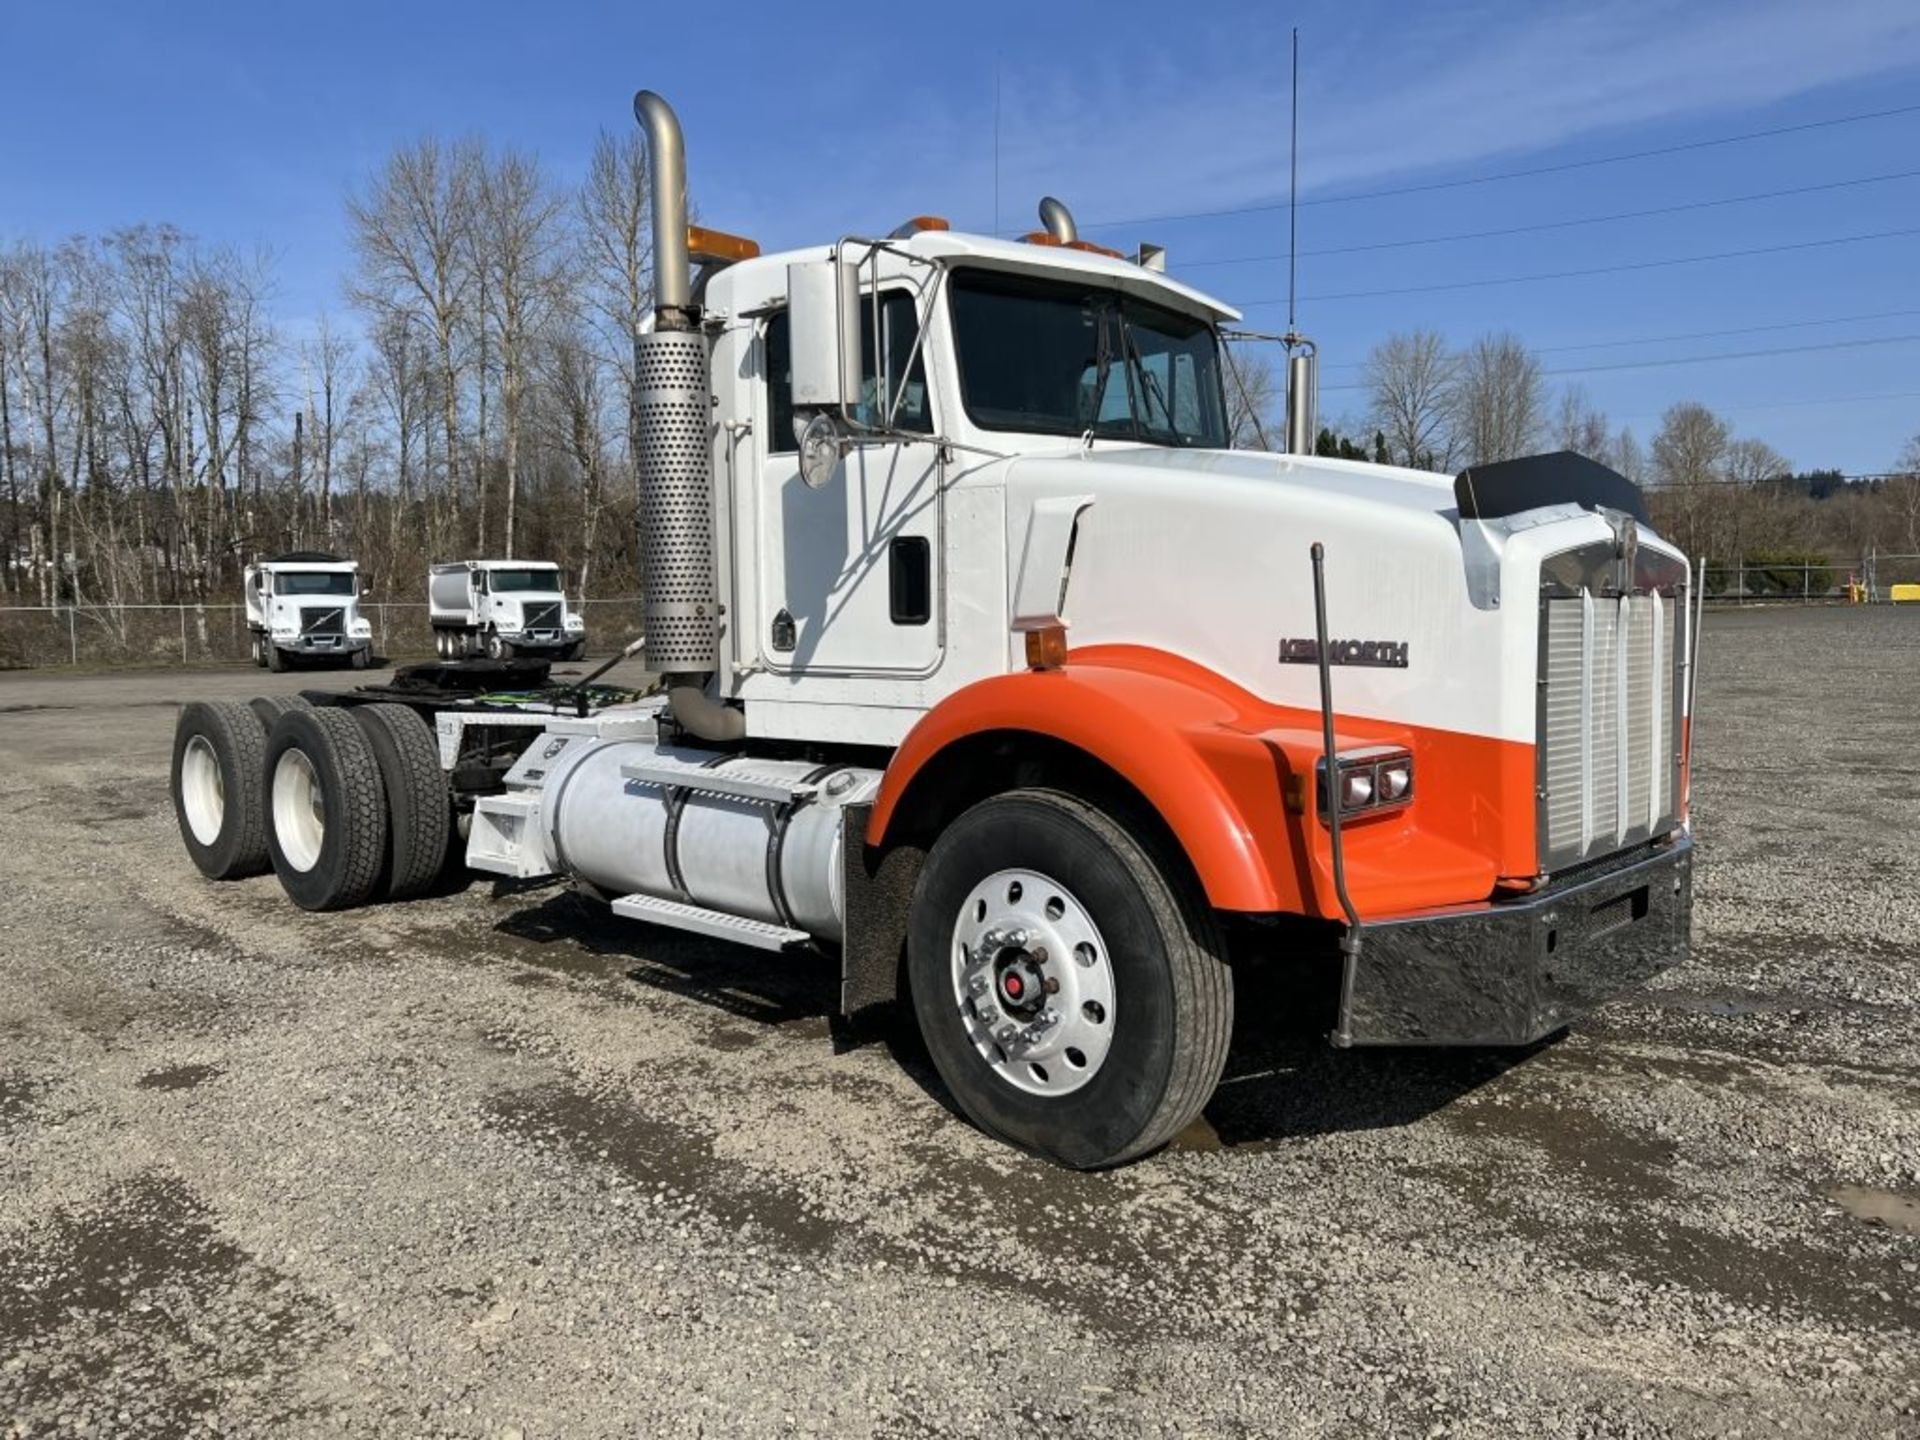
245	125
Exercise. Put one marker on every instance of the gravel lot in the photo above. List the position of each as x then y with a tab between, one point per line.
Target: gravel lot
492	1165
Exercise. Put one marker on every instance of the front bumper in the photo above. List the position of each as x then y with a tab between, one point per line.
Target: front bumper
324	644
1513	972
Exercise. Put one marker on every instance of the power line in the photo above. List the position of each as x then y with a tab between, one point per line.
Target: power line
1597	269
1562	224
1706	359
1690	335
1512	174
1735	355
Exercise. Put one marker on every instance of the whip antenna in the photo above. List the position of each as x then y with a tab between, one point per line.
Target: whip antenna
1293	181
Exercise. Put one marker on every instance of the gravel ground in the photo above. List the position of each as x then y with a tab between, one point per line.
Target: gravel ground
491	1165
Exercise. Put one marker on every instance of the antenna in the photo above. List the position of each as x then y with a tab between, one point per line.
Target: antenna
996	148
1293	181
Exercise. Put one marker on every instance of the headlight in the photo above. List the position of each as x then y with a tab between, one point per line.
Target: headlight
507	622
574	622
363	627
284	632
1377	778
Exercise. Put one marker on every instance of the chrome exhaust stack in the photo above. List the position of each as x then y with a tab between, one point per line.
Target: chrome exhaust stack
673	415
1058	220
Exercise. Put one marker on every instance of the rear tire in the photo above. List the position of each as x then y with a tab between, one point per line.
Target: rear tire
216	781
1132	958
271	707
326	809
419	804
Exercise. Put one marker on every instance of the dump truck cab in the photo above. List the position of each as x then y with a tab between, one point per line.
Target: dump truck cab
502	608
306	605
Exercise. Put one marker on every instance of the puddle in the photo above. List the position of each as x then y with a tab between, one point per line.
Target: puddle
1879	1207
179	1077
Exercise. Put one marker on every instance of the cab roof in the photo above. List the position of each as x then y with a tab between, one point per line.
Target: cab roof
762	281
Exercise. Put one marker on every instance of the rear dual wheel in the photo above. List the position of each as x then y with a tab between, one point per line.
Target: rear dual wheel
1070	982
217	756
326	809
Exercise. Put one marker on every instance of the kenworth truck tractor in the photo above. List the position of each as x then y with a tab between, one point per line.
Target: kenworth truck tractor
502	608
306	604
987	667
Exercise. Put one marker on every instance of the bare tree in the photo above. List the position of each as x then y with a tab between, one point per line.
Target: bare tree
408	234
331	372
1689	459
1754	462
1579	427
1625	455
1409	378
516	237
616	240
1253	394
1497	402
1903	494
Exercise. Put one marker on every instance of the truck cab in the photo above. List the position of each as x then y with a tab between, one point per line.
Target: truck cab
503	608
305	605
987	663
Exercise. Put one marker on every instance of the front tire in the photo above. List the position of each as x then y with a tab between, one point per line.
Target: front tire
1071	987
276	658
497	648
326	809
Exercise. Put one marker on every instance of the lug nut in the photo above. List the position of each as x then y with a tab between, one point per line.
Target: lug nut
1052	985
1039	953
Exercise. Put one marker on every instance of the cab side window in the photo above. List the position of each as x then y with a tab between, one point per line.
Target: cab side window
899	328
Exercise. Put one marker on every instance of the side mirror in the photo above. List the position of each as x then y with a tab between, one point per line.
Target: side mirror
823	316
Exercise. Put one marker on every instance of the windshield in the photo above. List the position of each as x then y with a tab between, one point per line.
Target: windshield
313	582
507	582
1069	358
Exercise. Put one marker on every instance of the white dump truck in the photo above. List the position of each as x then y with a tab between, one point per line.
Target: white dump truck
989	668
306	605
502	608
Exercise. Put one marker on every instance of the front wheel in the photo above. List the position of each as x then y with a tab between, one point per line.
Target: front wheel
1072	988
497	648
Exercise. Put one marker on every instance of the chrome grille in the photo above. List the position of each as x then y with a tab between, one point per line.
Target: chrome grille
543	617
324	622
1608	761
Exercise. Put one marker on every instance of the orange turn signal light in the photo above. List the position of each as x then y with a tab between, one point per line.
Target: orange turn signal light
705	244
1040	237
1093	249
927	222
1047	647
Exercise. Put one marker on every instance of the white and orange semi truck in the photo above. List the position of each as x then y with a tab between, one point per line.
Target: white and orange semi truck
989	666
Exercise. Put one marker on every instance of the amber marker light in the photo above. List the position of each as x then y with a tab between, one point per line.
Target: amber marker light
1047	647
705	244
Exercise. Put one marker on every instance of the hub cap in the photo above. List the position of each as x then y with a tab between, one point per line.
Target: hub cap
1033	982
299	811
203	794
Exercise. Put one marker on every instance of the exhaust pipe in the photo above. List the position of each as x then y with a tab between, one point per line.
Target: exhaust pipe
672	417
1303	395
1058	220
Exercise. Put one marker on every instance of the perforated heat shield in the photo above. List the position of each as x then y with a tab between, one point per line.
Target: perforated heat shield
674	408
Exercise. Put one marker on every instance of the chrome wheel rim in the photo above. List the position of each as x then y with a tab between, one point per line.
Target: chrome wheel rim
203	793
1033	982
299	810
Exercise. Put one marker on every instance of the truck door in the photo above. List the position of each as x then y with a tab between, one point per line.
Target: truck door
851	573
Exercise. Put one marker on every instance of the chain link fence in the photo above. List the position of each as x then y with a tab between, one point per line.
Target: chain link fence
105	634
1808	580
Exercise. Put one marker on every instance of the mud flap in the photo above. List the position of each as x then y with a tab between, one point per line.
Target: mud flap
1513	973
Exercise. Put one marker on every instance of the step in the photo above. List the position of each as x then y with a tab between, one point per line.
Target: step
717	923
719	782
